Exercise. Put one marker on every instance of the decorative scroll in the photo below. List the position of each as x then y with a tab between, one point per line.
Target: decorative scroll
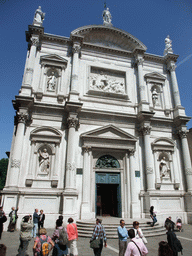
107	161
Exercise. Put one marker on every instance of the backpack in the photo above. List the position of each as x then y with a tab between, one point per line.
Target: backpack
63	240
44	247
177	245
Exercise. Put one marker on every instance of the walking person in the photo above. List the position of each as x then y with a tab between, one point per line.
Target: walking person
41	244
61	239
35	223
122	235
136	246
72	237
99	233
153	215
13	219
25	235
41	220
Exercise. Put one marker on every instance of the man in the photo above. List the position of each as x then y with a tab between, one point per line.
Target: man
136	246
35	222
99	233
13	219
168	220
123	235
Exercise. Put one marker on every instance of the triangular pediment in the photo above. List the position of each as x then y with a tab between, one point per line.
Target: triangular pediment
155	76
109	132
53	59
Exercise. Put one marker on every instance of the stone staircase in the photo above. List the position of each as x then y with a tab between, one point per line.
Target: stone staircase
85	227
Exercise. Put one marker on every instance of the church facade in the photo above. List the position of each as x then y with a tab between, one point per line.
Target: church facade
99	128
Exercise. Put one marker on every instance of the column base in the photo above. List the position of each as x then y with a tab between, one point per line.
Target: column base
86	213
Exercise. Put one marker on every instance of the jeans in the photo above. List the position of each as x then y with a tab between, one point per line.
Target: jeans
98	251
59	251
34	230
22	251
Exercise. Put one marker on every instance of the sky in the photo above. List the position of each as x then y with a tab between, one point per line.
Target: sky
148	20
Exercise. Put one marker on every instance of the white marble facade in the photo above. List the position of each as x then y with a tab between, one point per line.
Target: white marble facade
96	112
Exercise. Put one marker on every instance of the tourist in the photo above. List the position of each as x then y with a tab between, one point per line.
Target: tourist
138	232
13	219
168	220
3	219
60	238
164	249
136	246
72	236
122	235
35	223
25	235
179	224
42	243
99	233
153	216
41	220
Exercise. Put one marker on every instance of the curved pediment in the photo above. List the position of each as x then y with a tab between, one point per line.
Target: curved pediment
163	143
46	133
110	37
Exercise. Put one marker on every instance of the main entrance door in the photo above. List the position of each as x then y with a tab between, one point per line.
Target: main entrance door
108	194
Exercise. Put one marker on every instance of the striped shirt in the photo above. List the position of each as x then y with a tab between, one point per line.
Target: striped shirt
99	231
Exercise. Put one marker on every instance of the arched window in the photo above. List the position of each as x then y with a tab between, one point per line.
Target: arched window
107	161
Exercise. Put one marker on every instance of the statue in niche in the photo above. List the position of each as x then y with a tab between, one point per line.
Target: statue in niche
155	96
51	82
44	161
39	17
164	169
107	18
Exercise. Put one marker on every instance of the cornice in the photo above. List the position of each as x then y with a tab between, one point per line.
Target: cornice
55	38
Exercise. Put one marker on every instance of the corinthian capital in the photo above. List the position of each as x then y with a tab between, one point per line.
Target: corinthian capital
145	130
131	152
72	122
22	117
76	48
182	133
139	60
35	40
171	67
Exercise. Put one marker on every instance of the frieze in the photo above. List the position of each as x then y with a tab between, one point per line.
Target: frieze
15	163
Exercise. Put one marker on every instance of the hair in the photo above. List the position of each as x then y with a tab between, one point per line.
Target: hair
131	233
121	221
41	210
70	220
26	218
168	226
60	217
59	223
164	249
42	231
135	223
3	249
151	209
99	220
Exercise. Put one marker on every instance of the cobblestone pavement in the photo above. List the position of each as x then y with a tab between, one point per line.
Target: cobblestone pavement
11	240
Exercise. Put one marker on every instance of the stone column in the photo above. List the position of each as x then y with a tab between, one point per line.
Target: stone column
70	183
176	95
186	157
17	150
75	72
142	95
146	130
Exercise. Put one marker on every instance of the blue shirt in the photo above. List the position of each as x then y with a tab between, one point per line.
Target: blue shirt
122	233
35	217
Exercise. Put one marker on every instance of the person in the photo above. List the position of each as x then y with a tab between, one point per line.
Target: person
35	223
72	236
59	249
3	250
13	219
153	216
3	219
179	224
164	249
39	241
41	220
122	235
25	235
99	233
138	232
172	240
168	220
136	246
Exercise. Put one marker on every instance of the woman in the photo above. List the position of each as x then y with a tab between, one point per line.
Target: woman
59	249
72	236
40	240
153	216
138	232
164	249
13	219
41	220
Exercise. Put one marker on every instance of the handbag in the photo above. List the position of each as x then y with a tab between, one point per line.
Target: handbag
94	244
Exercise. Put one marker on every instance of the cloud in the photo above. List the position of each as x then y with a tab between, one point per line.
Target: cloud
183	61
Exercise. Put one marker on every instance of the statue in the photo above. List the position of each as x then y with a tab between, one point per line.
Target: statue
44	161
164	169
168	46
52	81
154	96
38	17
107	18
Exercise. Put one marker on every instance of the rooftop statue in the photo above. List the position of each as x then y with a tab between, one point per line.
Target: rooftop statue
107	18
38	17
168	46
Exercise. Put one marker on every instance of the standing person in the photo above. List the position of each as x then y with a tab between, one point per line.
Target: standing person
99	233
3	219
136	246
168	220
35	223
60	238
72	237
153	215
122	235
172	240
41	220
164	249
41	244
25	235
138	232
13	219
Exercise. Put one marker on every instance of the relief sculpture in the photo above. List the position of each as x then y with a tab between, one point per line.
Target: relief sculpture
44	161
